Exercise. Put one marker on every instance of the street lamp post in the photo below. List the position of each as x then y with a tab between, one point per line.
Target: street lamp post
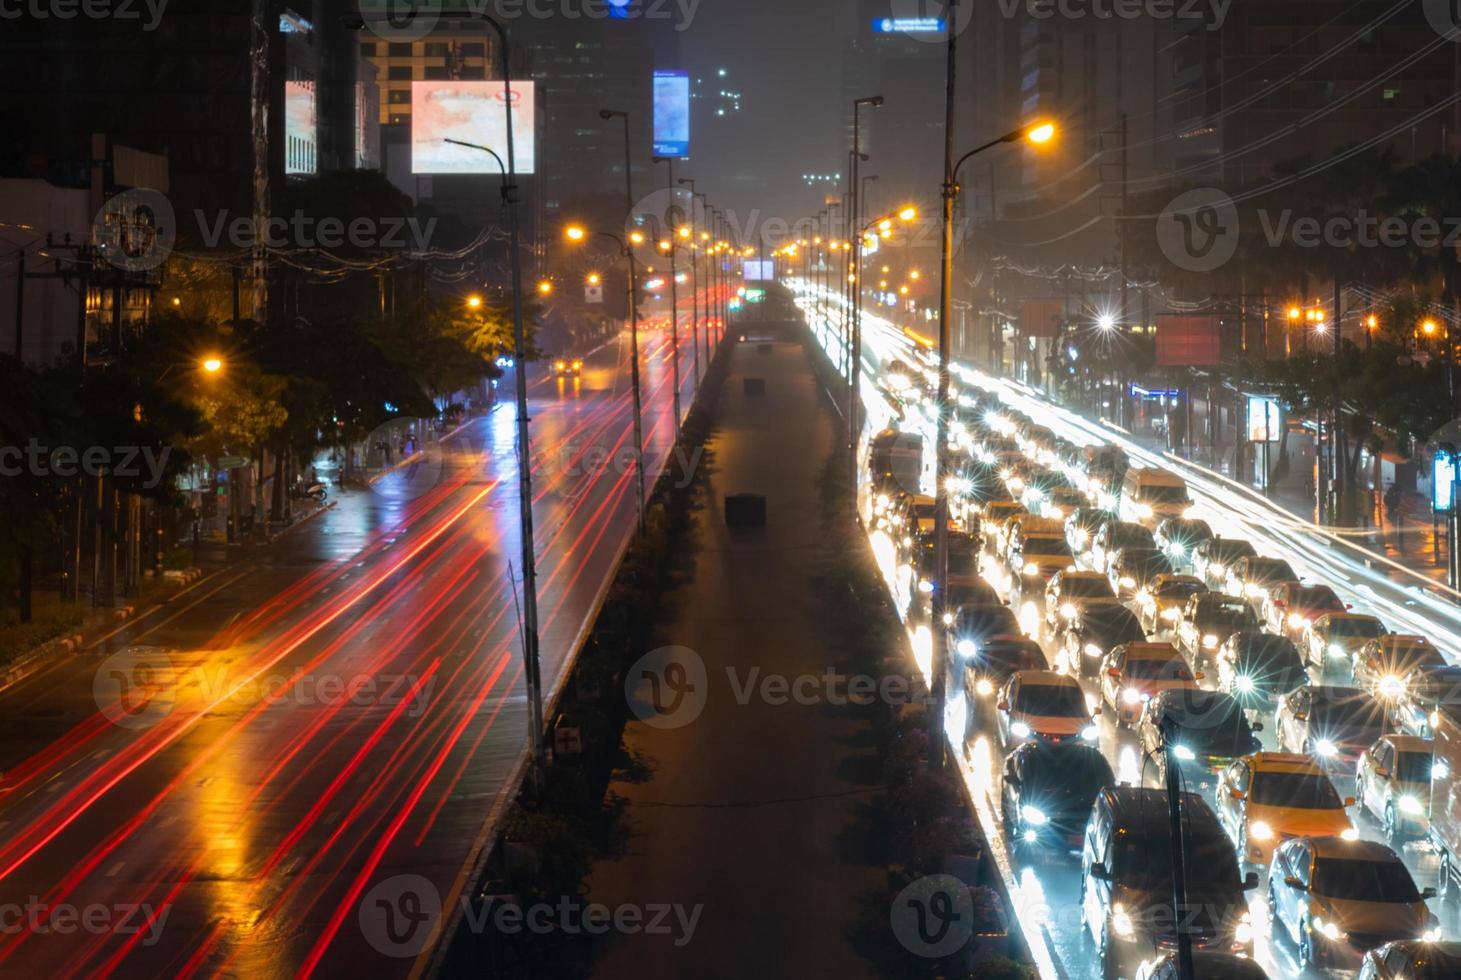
694	283
674	299
855	353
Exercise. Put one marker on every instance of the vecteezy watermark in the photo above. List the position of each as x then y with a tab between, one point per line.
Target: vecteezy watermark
1198	230
125	462
401	21
398	916
1210	12
124	10
140	686
42	918
302	230
1360	230
1444	16
669	687
571	467
933	916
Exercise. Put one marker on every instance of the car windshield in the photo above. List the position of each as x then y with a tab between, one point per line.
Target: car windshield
1056	700
1316	597
1012	656
1431	962
1222	609
1045	547
963	563
1162	495
972	594
986	620
1143	856
1067	775
1114	625
1085	587
1269	659
1300	790
1364	881
1228	551
1145	561
1131	536
1270	570
1213	724
1180	590
1357	720
1414	767
1356	628
1165	669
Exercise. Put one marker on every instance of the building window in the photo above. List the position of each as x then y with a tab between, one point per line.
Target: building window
401	73
367	48
472	71
400	118
1391	94
435	49
474	49
402	96
436	73
399	50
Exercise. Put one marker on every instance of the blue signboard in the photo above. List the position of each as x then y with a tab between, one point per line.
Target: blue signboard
908	25
672	114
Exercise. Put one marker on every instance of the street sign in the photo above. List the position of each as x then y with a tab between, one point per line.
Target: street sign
232	462
593	294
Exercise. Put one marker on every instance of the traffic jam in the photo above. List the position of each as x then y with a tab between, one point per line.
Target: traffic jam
1097	614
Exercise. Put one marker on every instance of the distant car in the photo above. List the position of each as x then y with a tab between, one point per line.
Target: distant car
996	520
970	592
975	623
1094	632
1206	965
988	663
1253	577
1070	591
1039	559
1212	558
1180	536
1412	960
570	367
1132	569
1333	724
1134	673
1415	711
1334	638
1339	899
1291	608
1384	665
1044	705
1081	527
1062	502
1162	601
1267	797
1046	791
1393	782
1115	535
1258	668
1207	731
1209	619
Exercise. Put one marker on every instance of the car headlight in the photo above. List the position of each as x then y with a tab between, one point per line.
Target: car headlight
1020	730
1432	935
1090	733
1328	929
983	688
1092	650
1255	591
1144	510
965	648
1131	696
925	586
1216	568
1172	613
1335	650
1068	610
948	619
1143	596
1244	683
1033	816
1349	833
1297	621
1031	568
1183	752
882	502
1127	582
1325	747
1409	804
1259	830
1121	923
1210	641
1391	686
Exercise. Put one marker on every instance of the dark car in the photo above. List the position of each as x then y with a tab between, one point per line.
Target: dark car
1095	631
1206	965
1384	665
1209	619
1115	535
970	592
990	661
1126	880
1081	527
1258	668
980	622
1180	536
1133	569
1332	724
1412	959
1047	790
1254	577
1207	729
1212	558
1427	690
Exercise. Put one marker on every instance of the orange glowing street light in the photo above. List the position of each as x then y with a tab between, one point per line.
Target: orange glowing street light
1372	321
1042	132
593	279
474	302
213	364
545	288
636	238
1429	328
575	233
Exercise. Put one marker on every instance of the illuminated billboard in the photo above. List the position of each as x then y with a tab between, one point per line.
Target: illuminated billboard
300	127
908	25
1264	419
473	112
671	114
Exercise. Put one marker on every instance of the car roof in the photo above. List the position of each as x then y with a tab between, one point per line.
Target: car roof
1171	578
1046	678
1284	762
1410	743
1350	616
1152	651
1354	850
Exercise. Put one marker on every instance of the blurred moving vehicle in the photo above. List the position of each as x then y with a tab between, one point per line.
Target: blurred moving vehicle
1383	666
1206	731
1291	608
1334	639
1162	601
1209	619
1412	960
1180	536
1338	899
1333	724
1150	496
1134	673
1212	558
1252	578
568	367
988	663
1267	797
1094	631
1206	965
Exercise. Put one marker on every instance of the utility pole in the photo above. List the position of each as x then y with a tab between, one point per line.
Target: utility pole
674	298
854	427
694	283
1179	850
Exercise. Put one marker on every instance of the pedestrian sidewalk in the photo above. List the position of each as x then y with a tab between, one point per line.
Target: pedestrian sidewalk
743	802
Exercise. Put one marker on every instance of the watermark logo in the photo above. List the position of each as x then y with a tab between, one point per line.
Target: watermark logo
1444	17
400	21
1213	13
121	10
411	461
65	919
1198	230
137	687
660	215
934	916
136	230
571	468
301	230
399	914
667	688
65	462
